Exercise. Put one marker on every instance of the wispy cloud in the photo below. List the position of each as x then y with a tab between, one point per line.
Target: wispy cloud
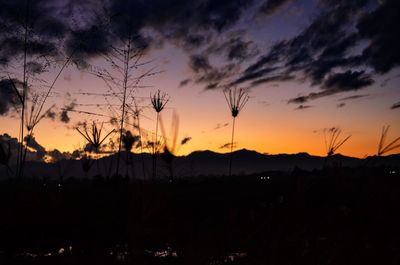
228	145
395	105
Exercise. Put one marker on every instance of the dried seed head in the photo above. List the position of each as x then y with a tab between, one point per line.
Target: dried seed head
236	99
93	136
159	100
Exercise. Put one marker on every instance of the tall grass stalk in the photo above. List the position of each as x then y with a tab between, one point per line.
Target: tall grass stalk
127	55
37	114
169	152
333	141
28	120
384	148
158	101
236	100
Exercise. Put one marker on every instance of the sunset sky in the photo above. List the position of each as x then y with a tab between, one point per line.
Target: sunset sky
307	64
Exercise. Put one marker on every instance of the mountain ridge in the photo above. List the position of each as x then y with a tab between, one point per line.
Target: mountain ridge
203	163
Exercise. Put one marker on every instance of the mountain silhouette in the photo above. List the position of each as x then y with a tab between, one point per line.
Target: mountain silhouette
201	163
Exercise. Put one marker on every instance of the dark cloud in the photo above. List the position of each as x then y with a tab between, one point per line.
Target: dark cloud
34	67
56	155
213	77
46	26
270	6
51	115
35	152
348	81
199	63
88	42
343	38
185	23
312	96
298	100
8	95
228	146
64	115
185	140
303	107
340	105
380	29
276	78
254	75
235	46
395	105
354	97
272	57
9	146
39	150
184	82
337	83
241	50
219	126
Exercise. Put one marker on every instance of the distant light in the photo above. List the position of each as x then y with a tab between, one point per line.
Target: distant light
268	177
61	251
59	185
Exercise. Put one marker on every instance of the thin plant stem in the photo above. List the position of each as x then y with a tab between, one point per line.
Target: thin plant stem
126	70
24	87
37	117
231	154
140	137
155	149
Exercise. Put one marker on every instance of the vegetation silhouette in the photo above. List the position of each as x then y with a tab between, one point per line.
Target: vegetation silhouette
93	135
31	104
128	142
236	100
384	148
333	141
158	101
333	215
171	147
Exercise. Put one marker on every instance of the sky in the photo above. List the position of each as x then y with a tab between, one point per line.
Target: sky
307	65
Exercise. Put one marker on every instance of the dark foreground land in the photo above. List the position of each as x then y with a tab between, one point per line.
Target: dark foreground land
330	216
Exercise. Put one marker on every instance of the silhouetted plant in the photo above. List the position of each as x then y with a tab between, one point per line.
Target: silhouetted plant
236	99
158	101
385	148
93	135
123	56
128	142
170	147
332	141
136	112
33	63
